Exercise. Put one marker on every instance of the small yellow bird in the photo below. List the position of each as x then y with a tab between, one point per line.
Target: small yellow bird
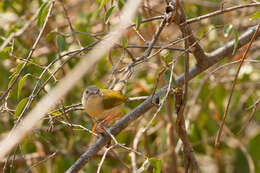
102	103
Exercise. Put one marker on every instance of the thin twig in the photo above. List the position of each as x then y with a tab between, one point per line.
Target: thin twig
104	156
79	126
69	22
132	154
31	52
164	98
190	161
52	98
233	86
221	11
40	162
125	121
20	31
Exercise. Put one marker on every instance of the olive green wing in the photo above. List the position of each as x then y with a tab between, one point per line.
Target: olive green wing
112	98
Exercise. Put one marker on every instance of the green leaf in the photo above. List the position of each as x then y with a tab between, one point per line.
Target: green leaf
121	4
42	13
103	3
166	56
20	84
108	13
61	42
6	4
227	29
13	75
167	75
124	42
138	21
154	122
255	16
218	96
236	33
12	79
254	149
20	107
51	34
157	164
19	67
4	54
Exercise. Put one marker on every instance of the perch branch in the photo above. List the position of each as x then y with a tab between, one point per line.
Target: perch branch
215	57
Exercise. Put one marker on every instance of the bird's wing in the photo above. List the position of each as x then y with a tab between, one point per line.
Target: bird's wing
112	98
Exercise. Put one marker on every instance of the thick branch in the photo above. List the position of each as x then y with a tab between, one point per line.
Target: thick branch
213	58
196	49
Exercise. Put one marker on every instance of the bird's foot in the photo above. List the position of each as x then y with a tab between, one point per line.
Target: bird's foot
99	127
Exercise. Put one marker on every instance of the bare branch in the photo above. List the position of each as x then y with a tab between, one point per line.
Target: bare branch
67	82
31	52
221	11
233	86
147	104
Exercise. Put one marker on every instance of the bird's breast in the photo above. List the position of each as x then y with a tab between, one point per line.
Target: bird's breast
94	107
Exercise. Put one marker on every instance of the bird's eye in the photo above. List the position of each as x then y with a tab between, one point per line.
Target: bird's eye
86	92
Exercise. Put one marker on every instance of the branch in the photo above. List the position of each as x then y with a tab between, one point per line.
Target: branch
221	11
64	85
32	50
19	32
125	121
197	50
233	86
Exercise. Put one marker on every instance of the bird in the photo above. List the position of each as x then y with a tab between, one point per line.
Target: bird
103	104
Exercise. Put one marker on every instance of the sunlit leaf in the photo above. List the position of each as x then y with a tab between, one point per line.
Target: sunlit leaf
138	21
256	15
20	107
227	30
103	3
120	4
4	54
20	84
157	164
109	13
154	122
19	67
12	79
124	42
166	56
13	76
42	13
